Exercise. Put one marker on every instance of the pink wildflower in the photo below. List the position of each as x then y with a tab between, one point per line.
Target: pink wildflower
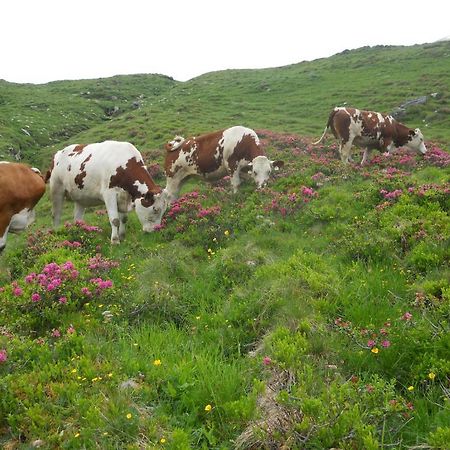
62	300
371	343
56	333
3	356
386	344
407	316
17	291
70	330
35	297
267	361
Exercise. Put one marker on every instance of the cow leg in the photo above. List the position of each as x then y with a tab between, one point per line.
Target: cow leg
365	156
113	214
123	217
173	186
235	180
345	150
78	212
57	196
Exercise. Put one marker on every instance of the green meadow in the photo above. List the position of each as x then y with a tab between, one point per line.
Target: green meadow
312	314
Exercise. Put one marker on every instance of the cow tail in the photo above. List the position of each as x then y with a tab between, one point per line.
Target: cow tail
328	126
321	137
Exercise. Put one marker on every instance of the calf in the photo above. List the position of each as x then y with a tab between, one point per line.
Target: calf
21	187
109	172
214	155
370	130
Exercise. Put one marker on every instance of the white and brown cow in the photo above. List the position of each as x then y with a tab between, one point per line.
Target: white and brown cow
109	172
370	130
214	155
21	187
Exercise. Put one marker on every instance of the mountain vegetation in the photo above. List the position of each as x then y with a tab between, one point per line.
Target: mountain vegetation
313	314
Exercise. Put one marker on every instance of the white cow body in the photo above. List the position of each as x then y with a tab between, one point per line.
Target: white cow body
110	173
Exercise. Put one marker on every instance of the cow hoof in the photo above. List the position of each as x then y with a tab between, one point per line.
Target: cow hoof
115	241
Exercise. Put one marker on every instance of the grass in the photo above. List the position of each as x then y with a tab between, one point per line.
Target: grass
311	314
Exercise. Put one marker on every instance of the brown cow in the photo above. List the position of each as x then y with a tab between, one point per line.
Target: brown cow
214	155
370	130
21	187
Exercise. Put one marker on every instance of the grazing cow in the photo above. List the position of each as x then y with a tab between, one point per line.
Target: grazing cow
370	130
109	172
214	155
21	187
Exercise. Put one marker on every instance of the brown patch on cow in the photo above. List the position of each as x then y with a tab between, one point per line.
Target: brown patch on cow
125	178
79	179
78	149
246	149
20	188
203	157
48	174
339	124
148	199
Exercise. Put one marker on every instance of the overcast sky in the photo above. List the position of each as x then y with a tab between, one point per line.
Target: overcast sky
46	40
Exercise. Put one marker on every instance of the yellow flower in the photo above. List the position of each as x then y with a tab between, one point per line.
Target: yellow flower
208	408
162	440
77	434
74	370
129	416
410	388
110	374
226	233
431	376
157	362
374	350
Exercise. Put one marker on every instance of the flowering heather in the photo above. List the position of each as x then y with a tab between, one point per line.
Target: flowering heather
437	157
287	203
391	195
98	263
83	226
187	210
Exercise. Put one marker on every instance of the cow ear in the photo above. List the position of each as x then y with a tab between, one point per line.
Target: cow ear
277	164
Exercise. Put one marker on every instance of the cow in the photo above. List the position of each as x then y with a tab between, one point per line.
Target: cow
214	155
21	187
107	172
370	130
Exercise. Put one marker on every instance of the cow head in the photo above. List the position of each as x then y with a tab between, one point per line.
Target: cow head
260	169
150	209
415	141
175	143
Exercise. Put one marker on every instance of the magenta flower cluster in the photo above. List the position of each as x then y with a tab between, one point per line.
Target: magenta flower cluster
288	203
97	263
56	281
189	208
82	225
391	195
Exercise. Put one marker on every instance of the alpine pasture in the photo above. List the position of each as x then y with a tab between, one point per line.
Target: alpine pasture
313	313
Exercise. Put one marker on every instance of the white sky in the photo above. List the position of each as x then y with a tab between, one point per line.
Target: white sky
46	40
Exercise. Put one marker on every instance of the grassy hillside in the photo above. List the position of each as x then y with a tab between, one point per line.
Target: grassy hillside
294	98
33	117
312	314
